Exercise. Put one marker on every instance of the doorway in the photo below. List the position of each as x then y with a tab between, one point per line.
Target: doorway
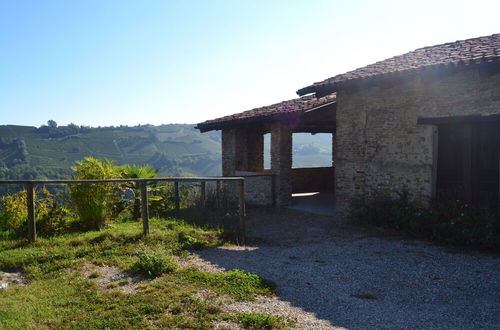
468	164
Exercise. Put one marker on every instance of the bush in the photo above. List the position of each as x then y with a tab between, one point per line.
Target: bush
243	285
51	218
451	222
154	261
14	213
94	202
264	321
56	220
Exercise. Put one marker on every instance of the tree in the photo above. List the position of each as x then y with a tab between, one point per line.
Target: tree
52	124
136	172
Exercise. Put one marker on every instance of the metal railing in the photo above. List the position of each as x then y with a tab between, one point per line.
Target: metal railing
143	183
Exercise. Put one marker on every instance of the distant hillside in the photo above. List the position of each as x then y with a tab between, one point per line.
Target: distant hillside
49	152
28	152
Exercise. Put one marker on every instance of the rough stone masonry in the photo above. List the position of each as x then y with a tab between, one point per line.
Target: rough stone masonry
380	146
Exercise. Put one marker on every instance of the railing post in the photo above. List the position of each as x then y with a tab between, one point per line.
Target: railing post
203	194
144	208
241	202
177	197
30	203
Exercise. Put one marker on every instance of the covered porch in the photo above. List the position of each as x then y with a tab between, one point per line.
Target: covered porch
281	184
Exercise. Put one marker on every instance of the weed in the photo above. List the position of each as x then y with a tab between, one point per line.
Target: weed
451	222
154	261
94	275
264	321
237	283
123	282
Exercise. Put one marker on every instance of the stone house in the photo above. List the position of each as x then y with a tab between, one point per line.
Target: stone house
427	121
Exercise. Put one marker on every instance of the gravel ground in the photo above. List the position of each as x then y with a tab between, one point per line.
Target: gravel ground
333	275
11	278
113	278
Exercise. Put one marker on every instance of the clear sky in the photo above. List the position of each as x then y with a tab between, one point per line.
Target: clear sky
103	62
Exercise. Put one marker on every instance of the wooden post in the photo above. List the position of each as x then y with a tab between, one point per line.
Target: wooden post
218	192
145	210
30	199
241	202
203	194
177	198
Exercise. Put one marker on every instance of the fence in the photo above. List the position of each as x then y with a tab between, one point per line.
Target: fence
143	182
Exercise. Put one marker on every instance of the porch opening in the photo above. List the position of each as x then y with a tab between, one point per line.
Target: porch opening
312	173
312	163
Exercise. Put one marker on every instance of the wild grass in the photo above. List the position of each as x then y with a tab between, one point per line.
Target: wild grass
58	295
264	321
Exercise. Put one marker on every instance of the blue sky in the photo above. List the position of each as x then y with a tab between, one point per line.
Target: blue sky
135	62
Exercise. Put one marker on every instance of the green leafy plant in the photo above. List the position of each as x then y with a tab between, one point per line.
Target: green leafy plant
94	201
243	284
135	172
14	213
264	321
154	261
453	221
51	218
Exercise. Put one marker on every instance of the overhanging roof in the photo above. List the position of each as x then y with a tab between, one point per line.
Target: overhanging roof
268	113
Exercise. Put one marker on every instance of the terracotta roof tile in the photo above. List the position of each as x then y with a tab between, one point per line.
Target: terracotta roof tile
300	104
462	52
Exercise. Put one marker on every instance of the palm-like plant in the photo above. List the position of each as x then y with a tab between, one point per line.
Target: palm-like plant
137	172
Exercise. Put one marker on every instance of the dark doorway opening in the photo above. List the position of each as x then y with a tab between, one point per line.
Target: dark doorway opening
468	163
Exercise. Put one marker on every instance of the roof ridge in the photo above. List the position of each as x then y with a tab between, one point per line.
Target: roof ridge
467	51
295	105
456	41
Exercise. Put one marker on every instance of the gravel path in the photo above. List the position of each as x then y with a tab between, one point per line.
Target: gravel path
333	275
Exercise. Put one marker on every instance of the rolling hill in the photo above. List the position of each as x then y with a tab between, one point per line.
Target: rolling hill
28	152
50	152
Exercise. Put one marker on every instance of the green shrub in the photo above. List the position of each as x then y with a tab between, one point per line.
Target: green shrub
264	321
134	172
14	212
189	242
451	222
243	285
94	201
154	261
55	220
51	218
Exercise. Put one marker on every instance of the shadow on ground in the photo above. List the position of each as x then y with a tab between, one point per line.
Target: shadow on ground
355	279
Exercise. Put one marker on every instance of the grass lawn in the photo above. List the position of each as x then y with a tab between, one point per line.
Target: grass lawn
60	295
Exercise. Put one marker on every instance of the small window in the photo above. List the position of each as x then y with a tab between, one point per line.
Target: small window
267	151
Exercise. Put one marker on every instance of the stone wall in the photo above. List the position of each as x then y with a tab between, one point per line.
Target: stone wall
243	151
378	144
258	188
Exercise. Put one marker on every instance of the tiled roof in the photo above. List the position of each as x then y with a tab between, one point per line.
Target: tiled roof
463	52
300	104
